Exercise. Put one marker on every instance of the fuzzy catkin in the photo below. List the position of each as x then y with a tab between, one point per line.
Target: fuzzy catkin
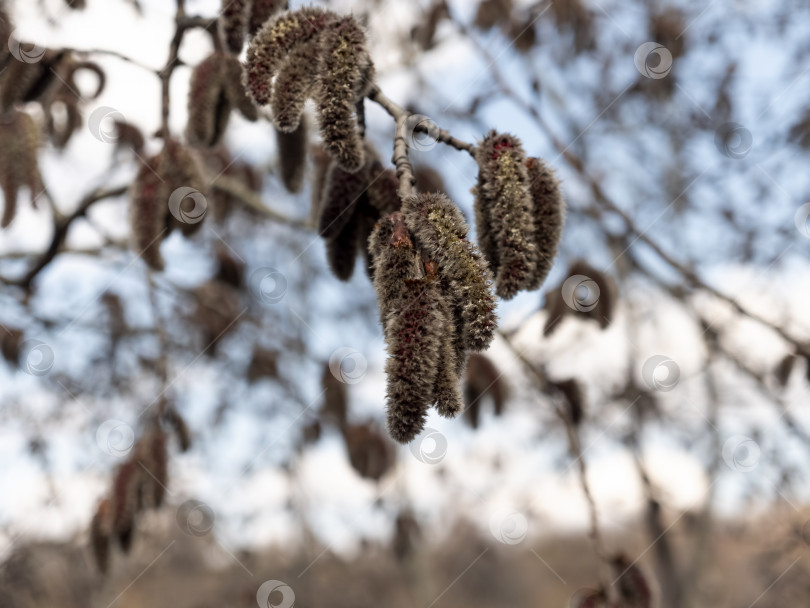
344	79
294	84
446	392
341	194
413	333
100	532
234	89
178	168
504	218
341	249
233	21
441	230
19	164
292	155
22	82
394	260
383	189
208	106
272	44
147	215
549	217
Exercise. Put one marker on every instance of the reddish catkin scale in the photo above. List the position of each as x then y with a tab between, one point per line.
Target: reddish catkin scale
292	154
414	329
549	217
273	42
441	230
344	79
233	21
503	207
147	213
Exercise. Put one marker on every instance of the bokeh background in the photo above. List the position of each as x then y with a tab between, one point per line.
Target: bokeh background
651	397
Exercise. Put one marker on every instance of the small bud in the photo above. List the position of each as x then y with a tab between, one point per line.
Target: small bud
503	211
233	21
292	156
441	230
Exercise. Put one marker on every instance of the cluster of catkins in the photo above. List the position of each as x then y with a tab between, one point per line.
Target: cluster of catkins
156	186
138	484
434	288
313	53
519	214
49	80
